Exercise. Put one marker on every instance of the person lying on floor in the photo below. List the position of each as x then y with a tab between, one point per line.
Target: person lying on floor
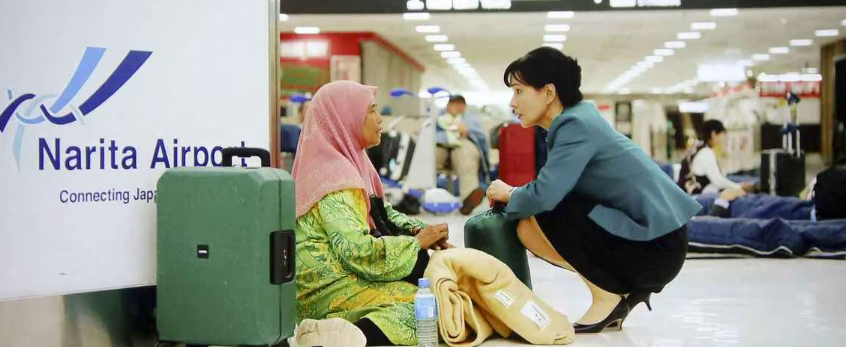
356	257
600	204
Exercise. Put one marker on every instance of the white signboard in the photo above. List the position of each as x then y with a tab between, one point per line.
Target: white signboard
98	98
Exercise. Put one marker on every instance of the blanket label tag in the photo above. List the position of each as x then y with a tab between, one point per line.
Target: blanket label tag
504	298
536	314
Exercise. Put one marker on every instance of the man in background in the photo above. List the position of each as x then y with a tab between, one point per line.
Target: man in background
455	146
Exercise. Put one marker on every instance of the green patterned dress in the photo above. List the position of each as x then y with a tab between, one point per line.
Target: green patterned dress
343	272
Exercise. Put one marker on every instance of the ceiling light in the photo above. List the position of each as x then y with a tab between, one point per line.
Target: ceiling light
811	70
554	38
415	5
646	64
675	44
779	50
557	27
654	59
689	35
417	16
428	29
307	30
444	47
496	4
561	14
801	43
439	4
556	45
703	26
283	17
746	63
843	23
451	54
828	33
664	52
465	4
456	61
437	38
761	57
724	12
623	3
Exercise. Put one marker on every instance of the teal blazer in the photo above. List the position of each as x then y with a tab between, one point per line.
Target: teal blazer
635	199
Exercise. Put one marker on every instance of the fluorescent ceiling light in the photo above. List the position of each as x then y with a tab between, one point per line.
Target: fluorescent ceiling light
703	26
801	43
307	30
827	33
496	4
444	47
415	5
439	4
761	57
417	16
843	23
746	63
428	29
561	14
689	35
811	70
451	54
456	61
465	4
437	38
557	27
675	44
724	12
779	50
654	59
556	45
554	38
646	64
623	3
283	17
664	52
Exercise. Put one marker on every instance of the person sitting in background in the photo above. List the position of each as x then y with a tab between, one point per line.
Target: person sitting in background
454	144
700	172
355	254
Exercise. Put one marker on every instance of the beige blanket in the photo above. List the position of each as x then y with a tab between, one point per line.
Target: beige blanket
479	295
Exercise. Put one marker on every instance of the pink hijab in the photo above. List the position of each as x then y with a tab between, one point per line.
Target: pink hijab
331	154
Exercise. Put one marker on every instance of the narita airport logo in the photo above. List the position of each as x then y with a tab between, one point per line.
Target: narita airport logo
30	109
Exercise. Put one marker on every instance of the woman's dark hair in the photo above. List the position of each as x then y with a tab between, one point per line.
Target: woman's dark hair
548	65
709	127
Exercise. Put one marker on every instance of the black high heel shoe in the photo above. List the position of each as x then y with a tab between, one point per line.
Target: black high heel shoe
613	321
636	298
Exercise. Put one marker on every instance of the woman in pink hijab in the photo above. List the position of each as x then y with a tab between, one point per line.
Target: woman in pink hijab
356	257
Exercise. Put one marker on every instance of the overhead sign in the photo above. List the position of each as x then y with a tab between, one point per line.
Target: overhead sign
804	89
92	113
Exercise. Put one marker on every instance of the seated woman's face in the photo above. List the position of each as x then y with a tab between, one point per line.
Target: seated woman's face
372	131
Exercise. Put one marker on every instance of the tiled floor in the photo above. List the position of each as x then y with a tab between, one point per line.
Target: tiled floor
713	302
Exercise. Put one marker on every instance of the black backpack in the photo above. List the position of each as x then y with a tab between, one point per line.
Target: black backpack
830	194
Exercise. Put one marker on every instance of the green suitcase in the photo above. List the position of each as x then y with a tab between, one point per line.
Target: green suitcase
492	233
226	254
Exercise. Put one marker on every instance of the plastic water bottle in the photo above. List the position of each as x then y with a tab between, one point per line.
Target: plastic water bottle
426	311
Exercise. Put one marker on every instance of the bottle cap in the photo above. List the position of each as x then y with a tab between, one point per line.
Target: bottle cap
423	283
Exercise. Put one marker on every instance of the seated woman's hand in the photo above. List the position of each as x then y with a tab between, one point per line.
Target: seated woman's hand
499	191
433	237
731	194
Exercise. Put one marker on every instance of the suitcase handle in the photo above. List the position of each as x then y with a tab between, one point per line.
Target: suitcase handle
282	245
245	152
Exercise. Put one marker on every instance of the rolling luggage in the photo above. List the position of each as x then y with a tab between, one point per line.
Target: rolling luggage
392	157
225	257
783	170
517	155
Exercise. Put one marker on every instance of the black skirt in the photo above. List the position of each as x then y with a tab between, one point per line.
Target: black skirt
612	263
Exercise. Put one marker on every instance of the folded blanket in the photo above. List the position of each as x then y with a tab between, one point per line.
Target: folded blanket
479	295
